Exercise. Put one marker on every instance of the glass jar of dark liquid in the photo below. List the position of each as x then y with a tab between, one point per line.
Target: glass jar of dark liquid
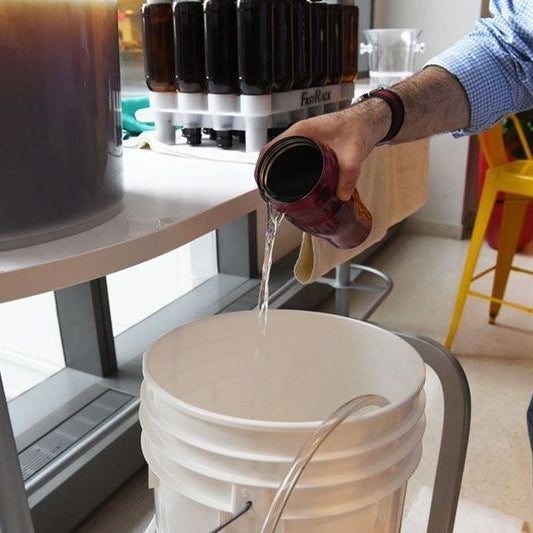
189	56
221	46
221	60
254	34
189	46
158	45
319	44
334	41
282	42
301	33
298	176
350	42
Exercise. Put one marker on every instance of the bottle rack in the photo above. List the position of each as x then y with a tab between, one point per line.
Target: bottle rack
253	114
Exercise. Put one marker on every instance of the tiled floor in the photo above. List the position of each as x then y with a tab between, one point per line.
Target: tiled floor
498	361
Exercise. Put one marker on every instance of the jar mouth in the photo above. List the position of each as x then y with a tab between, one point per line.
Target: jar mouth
290	169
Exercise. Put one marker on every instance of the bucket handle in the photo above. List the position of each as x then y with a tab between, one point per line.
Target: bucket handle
238	514
308	450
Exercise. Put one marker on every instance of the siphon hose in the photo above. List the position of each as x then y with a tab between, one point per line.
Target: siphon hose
308	450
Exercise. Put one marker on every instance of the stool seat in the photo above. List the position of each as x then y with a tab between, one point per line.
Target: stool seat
515	179
519	173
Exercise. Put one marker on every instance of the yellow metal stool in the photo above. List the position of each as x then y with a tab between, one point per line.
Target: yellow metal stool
515	179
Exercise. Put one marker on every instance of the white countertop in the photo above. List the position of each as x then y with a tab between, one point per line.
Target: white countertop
169	201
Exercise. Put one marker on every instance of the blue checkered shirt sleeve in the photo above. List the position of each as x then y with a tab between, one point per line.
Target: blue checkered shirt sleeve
494	64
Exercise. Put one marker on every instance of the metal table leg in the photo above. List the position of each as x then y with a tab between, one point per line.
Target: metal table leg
14	509
455	430
345	282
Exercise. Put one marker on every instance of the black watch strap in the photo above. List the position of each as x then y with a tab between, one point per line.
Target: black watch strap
396	106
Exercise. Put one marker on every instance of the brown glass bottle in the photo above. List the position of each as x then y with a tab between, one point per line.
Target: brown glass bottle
221	46
334	42
189	43
319	44
301	27
282	54
254	39
350	42
158	46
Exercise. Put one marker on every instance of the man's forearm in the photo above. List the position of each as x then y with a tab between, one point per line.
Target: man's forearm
435	102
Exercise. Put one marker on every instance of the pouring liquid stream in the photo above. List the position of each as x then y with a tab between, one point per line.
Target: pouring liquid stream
274	219
260	361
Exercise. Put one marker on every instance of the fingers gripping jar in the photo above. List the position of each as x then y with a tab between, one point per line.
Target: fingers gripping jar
298	176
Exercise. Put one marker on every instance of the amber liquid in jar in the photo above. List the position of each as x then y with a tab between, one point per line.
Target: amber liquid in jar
301	27
282	55
221	46
350	42
189	43
319	44
335	42
254	34
158	45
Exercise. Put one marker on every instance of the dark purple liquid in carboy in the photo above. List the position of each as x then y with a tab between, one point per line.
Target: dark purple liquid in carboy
298	176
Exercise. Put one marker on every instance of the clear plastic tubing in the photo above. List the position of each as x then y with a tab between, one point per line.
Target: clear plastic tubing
309	449
158	44
254	38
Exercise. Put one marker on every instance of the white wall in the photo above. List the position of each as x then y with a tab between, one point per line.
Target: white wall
442	23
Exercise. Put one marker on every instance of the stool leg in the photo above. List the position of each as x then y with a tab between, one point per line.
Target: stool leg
514	211
486	202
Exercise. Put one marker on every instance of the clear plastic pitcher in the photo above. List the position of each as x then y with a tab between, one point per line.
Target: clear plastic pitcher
391	53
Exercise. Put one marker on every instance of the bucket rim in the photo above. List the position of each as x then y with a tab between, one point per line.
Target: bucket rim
417	414
271	425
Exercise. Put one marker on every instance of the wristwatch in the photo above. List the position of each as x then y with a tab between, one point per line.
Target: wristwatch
396	106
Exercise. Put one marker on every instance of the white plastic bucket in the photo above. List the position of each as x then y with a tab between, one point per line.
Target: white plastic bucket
225	409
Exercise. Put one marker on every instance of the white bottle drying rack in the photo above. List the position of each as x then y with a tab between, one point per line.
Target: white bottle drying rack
253	114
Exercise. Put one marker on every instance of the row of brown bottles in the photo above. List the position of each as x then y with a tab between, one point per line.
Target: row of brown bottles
248	46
